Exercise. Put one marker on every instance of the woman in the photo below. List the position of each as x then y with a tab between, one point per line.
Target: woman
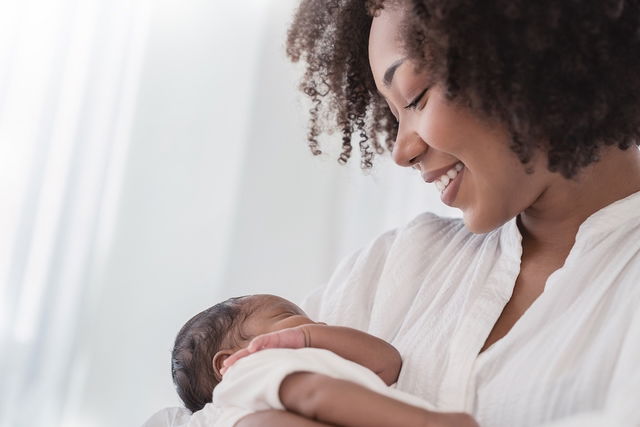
527	113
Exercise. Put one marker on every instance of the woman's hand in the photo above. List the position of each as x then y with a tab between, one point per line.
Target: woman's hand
284	338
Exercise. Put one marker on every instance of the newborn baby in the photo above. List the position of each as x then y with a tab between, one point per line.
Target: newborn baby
272	356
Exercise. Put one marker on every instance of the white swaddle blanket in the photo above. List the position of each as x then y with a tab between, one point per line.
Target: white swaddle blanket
252	384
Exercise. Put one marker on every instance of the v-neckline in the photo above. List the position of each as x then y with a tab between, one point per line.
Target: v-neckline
539	300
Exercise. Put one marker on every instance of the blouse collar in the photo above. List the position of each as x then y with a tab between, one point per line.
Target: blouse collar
605	220
611	217
511	239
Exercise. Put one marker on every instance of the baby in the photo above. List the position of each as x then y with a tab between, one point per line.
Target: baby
305	378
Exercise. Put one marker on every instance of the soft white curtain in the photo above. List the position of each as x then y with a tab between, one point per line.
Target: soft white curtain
68	76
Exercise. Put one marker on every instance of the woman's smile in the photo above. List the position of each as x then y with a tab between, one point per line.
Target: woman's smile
447	140
449	184
447	181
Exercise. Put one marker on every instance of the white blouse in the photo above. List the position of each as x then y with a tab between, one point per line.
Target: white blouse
435	290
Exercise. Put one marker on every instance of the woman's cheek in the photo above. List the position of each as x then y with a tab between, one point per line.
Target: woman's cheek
441	127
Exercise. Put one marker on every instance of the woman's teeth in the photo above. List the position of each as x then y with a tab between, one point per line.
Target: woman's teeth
444	180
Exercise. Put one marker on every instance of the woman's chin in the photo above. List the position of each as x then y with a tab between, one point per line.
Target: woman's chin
480	224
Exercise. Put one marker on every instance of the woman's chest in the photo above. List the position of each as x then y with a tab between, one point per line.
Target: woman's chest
548	368
561	371
528	287
440	321
561	351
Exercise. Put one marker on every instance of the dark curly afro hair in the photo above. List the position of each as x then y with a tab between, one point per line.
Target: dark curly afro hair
562	75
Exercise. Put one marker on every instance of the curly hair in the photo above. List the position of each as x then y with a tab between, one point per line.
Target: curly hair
196	344
332	38
562	76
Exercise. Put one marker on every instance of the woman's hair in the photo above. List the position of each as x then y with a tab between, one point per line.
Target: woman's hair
561	75
196	344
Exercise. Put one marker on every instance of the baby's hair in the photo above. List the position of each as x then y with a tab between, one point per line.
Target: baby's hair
196	344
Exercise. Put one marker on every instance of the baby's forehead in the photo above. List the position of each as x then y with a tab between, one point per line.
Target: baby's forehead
270	302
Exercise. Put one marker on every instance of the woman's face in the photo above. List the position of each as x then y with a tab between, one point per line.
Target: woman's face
435	135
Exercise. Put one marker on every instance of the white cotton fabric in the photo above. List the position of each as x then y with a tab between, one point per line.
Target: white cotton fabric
169	417
209	416
434	290
253	383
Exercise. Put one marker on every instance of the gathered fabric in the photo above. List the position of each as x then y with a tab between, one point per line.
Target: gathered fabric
435	290
253	384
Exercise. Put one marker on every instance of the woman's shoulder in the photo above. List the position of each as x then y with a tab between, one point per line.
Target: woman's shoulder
426	243
431	233
438	232
428	222
425	227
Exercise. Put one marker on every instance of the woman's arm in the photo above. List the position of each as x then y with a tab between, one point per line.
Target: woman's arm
357	346
275	418
339	402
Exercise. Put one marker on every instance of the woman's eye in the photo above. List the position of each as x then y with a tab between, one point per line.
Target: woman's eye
416	101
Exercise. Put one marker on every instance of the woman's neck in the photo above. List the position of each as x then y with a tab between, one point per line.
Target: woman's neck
551	223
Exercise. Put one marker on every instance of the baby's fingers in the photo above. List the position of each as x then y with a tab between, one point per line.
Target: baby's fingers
271	340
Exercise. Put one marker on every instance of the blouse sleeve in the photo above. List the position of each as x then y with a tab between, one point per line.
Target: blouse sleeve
347	299
622	407
372	276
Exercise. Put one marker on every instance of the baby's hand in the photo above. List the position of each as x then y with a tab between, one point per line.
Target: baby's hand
286	338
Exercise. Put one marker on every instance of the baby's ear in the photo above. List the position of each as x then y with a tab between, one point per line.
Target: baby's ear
218	360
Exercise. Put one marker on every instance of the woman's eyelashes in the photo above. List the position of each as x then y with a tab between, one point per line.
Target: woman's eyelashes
414	104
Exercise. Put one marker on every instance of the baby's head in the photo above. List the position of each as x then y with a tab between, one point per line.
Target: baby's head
209	337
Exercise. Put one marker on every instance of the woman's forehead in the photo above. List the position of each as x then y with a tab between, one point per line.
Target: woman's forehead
385	45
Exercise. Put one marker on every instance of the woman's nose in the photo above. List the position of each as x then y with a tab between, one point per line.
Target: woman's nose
408	149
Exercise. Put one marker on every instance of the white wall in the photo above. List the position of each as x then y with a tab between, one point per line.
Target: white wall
168	244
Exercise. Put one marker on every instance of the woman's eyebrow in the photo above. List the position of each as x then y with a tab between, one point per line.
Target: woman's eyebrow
388	75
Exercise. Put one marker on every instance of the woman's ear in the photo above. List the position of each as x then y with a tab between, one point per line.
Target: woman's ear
218	360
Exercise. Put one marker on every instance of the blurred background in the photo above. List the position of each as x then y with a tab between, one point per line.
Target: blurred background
153	162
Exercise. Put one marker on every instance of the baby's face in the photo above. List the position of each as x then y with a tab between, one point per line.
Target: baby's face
270	313
264	314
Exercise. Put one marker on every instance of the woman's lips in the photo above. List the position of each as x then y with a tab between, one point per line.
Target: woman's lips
435	174
448	196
